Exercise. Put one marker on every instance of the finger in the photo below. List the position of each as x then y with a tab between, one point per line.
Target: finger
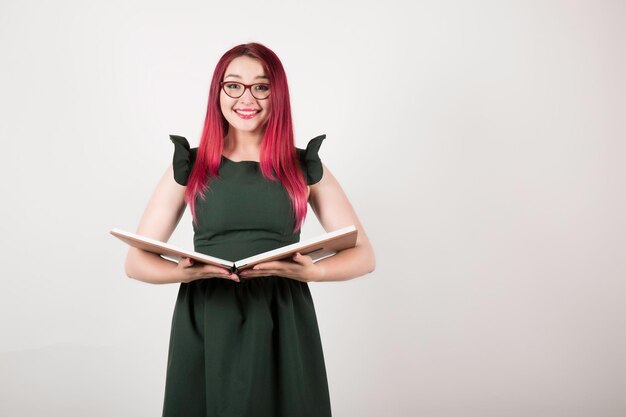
216	270
248	273
269	265
257	270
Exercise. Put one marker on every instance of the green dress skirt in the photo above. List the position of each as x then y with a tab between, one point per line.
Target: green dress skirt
249	348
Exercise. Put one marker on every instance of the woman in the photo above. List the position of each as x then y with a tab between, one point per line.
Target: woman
247	345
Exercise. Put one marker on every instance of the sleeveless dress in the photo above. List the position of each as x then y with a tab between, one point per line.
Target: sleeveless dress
249	348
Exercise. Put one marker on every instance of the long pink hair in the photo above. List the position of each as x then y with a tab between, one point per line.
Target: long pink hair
278	152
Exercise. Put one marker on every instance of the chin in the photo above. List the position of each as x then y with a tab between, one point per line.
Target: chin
247	127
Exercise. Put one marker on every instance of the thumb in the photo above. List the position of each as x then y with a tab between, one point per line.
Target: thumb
298	257
188	262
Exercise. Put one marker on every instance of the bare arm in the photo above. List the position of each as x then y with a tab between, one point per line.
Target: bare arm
164	211
334	211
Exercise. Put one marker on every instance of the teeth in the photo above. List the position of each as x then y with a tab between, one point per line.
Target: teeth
246	113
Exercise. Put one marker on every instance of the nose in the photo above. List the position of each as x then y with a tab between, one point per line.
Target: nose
247	95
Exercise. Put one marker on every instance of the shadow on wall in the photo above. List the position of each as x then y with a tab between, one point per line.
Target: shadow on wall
72	380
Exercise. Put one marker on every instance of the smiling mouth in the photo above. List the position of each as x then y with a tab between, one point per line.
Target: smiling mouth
247	114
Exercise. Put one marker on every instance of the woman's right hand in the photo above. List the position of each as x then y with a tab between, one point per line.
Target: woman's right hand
191	271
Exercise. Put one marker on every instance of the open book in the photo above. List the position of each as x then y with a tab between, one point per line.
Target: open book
317	248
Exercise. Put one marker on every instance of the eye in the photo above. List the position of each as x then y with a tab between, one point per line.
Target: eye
262	87
232	86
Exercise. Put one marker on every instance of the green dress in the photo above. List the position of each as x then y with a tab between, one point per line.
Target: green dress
249	348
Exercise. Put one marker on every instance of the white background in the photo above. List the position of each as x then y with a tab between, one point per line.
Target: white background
481	144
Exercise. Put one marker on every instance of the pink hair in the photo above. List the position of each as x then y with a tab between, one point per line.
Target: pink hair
278	152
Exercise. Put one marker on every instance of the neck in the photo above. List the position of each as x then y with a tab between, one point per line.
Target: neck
246	144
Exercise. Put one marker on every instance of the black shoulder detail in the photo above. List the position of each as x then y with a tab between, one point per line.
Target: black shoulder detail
183	160
310	161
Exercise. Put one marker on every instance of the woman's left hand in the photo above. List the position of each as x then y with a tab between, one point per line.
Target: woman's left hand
302	268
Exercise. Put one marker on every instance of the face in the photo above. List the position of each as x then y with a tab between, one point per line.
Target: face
247	70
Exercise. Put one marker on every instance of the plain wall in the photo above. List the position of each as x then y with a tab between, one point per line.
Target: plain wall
481	144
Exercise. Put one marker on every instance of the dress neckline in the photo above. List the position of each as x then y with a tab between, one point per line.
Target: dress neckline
240	162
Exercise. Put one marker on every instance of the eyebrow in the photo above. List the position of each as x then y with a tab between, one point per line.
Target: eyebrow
239	76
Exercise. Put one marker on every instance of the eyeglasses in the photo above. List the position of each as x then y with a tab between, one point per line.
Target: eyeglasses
233	89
